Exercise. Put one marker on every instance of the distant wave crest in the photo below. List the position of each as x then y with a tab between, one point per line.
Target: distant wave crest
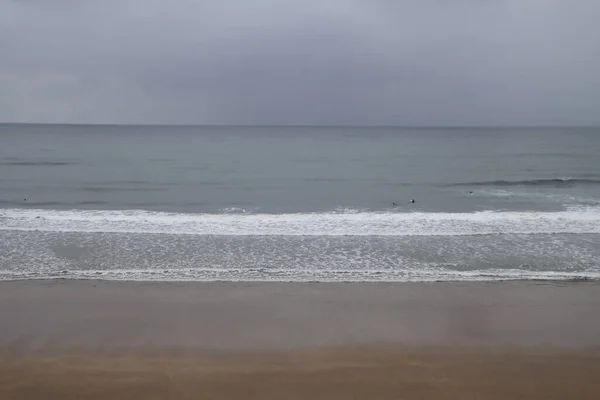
557	182
38	163
107	189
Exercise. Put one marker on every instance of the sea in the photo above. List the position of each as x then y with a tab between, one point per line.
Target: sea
306	204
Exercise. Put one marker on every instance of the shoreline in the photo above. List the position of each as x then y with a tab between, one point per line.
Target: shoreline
574	279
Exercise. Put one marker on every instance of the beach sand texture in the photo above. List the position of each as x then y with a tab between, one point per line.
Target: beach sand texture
111	340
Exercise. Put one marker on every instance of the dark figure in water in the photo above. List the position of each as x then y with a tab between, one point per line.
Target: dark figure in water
412	201
394	204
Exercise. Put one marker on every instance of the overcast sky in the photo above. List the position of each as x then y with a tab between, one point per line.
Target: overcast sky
363	62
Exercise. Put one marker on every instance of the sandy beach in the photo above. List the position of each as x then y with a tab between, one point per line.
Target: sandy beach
99	339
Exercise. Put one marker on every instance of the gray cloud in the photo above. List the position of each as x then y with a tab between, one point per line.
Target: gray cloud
390	62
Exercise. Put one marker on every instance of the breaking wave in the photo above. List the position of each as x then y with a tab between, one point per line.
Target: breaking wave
577	221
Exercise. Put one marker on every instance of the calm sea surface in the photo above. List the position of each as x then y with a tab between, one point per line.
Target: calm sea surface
298	204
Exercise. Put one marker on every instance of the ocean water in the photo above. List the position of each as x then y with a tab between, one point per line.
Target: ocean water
298	203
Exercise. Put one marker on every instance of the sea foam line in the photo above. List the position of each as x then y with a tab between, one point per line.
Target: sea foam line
580	221
294	275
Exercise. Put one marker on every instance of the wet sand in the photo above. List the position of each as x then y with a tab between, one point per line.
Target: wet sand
74	339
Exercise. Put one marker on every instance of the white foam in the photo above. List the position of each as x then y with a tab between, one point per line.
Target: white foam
295	275
585	220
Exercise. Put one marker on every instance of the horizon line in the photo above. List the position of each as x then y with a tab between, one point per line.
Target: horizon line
308	125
